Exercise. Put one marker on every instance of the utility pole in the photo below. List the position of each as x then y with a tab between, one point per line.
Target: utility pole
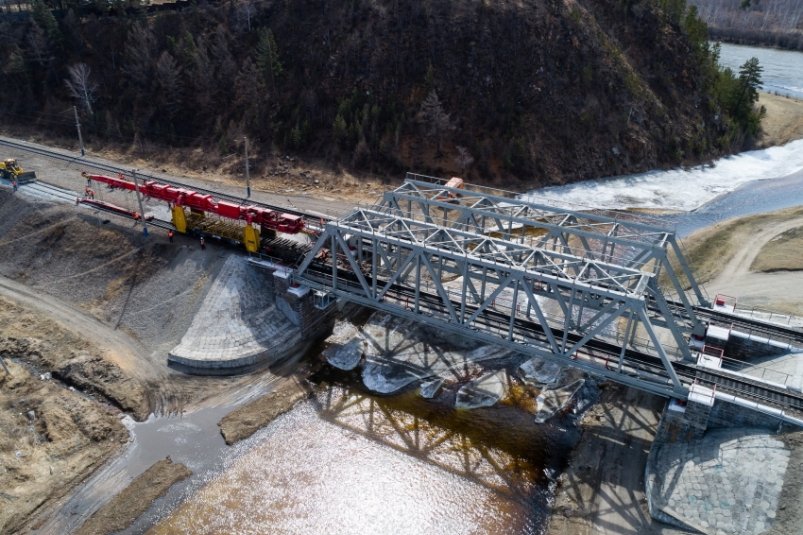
78	127
139	200
247	171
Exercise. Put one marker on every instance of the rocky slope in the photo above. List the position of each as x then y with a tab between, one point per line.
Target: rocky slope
533	92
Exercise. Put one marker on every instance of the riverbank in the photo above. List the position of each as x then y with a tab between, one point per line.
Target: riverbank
124	508
52	438
783	121
755	260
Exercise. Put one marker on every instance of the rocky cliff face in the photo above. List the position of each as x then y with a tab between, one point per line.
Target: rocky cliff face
512	92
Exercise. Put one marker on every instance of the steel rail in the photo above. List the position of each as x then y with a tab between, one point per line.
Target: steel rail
315	219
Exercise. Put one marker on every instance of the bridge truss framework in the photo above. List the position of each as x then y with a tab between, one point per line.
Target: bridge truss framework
576	288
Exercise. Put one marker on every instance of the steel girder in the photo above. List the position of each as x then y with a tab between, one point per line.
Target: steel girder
621	240
540	301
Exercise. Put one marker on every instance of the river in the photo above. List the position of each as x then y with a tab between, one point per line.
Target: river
783	69
349	462
689	199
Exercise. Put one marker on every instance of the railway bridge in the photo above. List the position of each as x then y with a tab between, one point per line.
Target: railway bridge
611	294
608	293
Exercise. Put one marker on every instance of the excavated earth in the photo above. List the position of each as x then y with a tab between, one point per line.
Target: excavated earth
88	311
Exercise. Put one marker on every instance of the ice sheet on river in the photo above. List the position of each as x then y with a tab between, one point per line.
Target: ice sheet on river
540	372
346	356
387	377
398	353
484	392
551	402
345	347
677	189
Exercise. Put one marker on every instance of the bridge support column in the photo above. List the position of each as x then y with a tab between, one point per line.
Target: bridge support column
300	306
691	419
698	408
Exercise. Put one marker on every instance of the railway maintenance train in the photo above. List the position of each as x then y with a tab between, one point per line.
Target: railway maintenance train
254	226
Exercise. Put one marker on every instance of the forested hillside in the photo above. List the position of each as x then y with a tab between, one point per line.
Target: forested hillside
762	22
533	91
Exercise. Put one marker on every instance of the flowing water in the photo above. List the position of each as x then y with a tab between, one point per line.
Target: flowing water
348	462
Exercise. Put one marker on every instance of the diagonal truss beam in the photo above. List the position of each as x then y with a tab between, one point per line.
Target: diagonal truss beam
551	304
613	239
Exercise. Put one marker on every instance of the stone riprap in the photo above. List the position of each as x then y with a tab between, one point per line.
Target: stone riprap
726	483
238	324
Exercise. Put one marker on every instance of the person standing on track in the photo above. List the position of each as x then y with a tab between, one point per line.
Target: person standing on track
203	243
170	235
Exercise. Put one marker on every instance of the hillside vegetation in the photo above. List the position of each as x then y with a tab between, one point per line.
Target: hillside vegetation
776	23
518	93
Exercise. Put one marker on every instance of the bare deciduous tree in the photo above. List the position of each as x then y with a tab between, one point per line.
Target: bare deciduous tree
81	86
435	118
245	14
139	56
464	159
168	76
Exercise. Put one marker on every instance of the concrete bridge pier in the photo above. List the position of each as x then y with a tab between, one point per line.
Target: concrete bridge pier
312	314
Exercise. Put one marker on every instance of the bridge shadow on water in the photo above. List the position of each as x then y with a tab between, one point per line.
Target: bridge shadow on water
500	448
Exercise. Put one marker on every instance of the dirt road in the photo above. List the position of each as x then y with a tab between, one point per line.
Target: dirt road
779	291
768	290
115	345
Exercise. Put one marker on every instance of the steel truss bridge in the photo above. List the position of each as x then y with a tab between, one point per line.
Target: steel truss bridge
609	294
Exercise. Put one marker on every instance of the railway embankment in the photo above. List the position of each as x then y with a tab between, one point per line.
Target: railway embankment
238	326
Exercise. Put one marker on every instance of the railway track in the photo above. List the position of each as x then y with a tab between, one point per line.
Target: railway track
48	191
314	221
599	352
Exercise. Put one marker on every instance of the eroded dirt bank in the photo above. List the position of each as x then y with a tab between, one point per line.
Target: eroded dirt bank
88	304
124	508
52	438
